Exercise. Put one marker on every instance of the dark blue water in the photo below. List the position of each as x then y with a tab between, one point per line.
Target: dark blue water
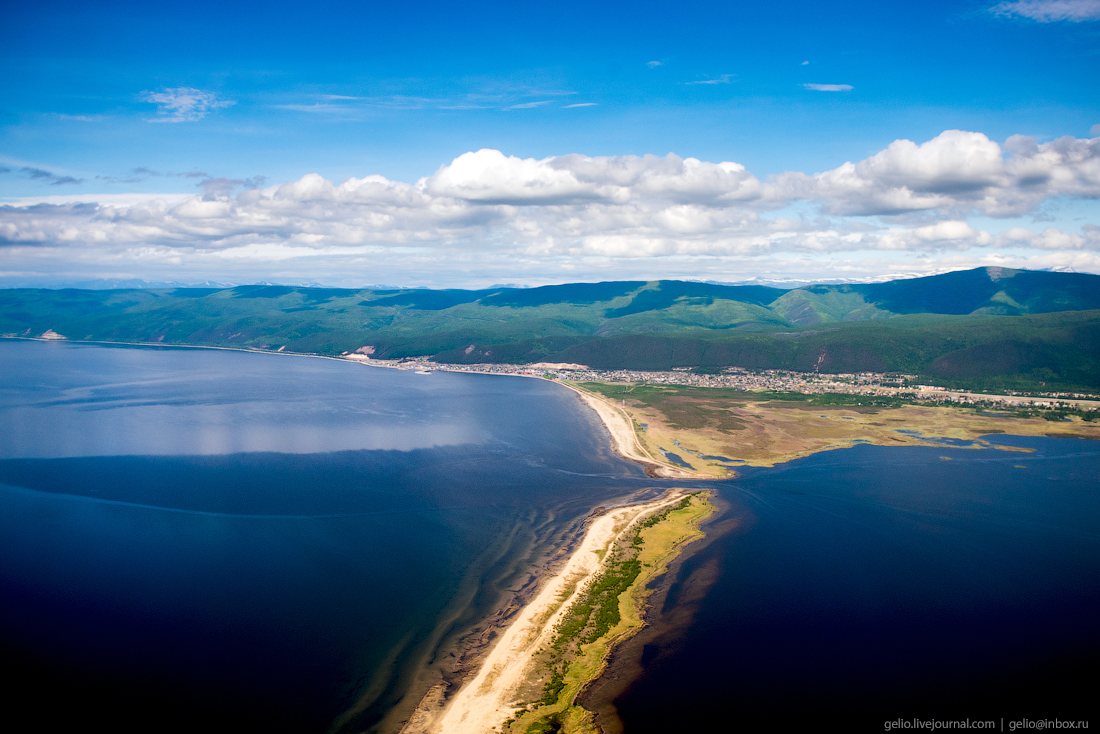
196	540
858	586
190	537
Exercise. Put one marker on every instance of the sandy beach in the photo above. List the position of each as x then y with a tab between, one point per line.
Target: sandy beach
486	701
624	440
489	699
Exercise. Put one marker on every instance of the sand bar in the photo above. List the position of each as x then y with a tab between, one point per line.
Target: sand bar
625	441
485	702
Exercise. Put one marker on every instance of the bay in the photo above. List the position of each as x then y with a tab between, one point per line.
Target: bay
178	546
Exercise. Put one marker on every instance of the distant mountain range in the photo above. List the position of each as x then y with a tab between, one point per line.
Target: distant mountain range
988	328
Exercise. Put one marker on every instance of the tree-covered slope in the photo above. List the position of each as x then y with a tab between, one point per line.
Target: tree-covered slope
991	326
1001	291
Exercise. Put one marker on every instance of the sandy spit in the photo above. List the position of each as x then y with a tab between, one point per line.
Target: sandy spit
486	701
625	440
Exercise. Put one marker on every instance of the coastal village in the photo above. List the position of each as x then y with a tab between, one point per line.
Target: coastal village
736	378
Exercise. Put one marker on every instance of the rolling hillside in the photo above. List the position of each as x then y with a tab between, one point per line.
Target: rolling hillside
990	327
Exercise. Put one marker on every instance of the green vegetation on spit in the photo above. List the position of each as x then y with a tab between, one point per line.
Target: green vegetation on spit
609	609
987	329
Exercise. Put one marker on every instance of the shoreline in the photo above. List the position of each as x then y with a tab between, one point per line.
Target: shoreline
436	685
162	345
765	431
624	440
424	365
487	700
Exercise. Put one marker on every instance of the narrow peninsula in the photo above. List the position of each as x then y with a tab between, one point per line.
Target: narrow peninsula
559	643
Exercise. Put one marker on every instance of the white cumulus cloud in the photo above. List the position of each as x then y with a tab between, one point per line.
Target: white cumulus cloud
957	171
487	212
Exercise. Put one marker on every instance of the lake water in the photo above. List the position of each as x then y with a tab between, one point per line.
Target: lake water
870	584
263	542
190	536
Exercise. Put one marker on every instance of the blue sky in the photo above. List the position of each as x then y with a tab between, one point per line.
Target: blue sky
219	101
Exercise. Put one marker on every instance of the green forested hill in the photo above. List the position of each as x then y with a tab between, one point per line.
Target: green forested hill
989	327
981	291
